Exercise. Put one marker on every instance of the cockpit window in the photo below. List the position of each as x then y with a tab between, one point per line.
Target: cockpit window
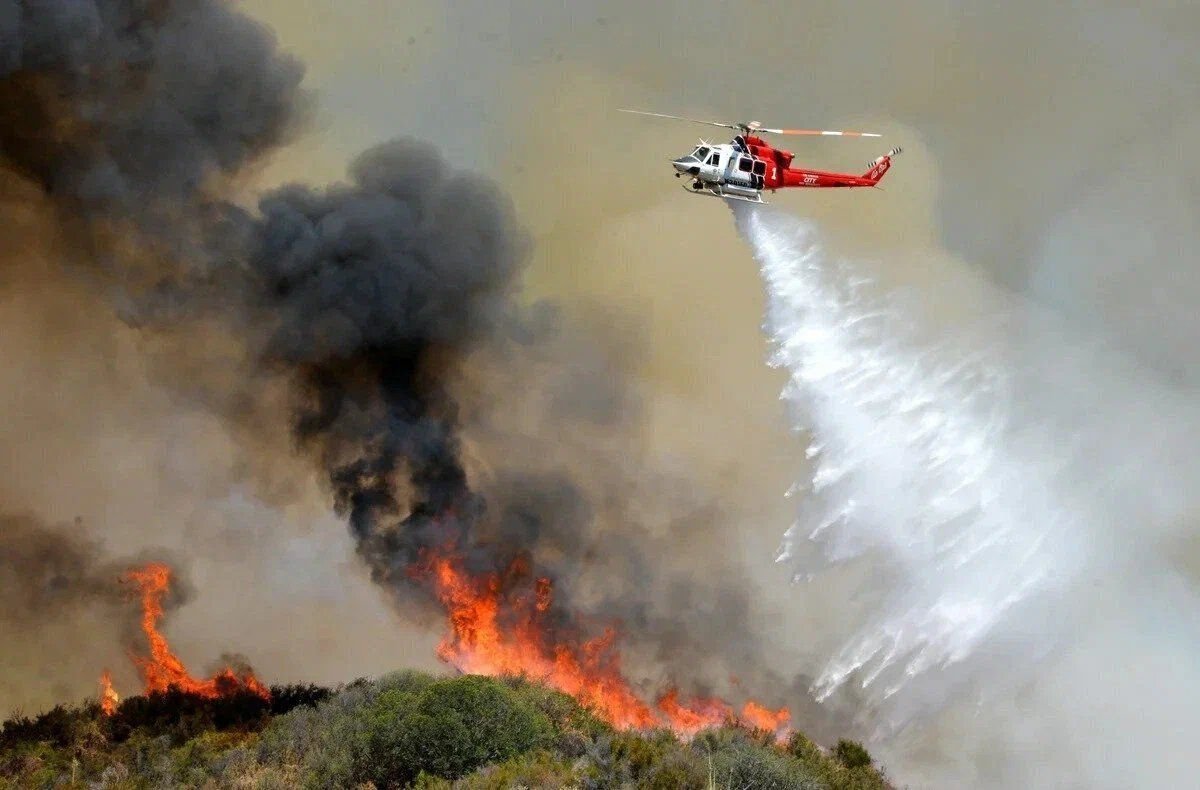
700	153
715	159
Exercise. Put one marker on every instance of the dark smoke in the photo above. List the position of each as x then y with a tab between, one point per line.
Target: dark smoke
132	106
48	572
372	302
369	292
52	571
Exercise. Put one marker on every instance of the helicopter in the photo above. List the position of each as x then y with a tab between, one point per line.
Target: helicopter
742	168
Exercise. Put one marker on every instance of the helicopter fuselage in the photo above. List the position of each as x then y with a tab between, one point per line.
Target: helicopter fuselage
744	167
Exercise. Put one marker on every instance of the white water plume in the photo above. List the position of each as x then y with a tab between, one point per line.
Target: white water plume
955	470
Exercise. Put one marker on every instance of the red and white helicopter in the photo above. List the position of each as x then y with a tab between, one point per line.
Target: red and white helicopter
742	168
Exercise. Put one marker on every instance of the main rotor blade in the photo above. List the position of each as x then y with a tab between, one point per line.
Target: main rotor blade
820	132
681	118
754	128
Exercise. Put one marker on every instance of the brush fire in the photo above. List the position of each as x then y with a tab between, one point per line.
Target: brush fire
489	634
162	670
480	642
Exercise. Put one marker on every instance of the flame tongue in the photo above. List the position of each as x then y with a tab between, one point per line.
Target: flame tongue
766	719
162	669
691	718
109	698
495	631
479	643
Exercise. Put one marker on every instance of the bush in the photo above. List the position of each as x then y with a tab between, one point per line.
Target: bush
739	759
852	754
285	699
679	768
449	730
537	770
326	745
54	727
566	715
183	715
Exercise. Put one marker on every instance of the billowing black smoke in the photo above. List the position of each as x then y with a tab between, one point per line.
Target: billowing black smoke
133	106
134	116
370	291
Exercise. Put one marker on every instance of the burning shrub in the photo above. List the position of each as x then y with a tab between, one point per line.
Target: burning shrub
185	714
287	698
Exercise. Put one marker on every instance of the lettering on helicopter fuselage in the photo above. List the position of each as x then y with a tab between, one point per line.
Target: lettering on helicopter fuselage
808	179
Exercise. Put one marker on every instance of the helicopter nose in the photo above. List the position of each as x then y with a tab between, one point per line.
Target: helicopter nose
684	163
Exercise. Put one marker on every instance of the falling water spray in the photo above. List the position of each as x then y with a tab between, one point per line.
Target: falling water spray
918	467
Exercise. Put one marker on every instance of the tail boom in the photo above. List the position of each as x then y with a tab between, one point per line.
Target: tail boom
816	178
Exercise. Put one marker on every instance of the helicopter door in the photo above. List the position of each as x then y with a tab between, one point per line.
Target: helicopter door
745	166
759	176
714	166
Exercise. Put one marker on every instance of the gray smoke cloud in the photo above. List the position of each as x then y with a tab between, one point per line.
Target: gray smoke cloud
374	311
46	572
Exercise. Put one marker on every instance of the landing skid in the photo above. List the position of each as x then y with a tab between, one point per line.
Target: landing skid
718	194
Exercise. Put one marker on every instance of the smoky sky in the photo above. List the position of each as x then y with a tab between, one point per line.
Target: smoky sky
379	305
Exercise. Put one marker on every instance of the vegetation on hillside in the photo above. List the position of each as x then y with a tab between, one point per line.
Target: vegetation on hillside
408	729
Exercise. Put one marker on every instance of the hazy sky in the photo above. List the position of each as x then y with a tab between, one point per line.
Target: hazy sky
1047	152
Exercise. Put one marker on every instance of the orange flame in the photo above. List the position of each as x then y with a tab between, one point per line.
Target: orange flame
699	714
763	718
493	632
109	698
163	669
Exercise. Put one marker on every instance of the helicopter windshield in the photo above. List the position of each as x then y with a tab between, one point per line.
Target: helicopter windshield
700	153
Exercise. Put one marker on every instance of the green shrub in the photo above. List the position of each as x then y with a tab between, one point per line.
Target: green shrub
852	754
752	766
450	729
739	758
680	768
536	770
